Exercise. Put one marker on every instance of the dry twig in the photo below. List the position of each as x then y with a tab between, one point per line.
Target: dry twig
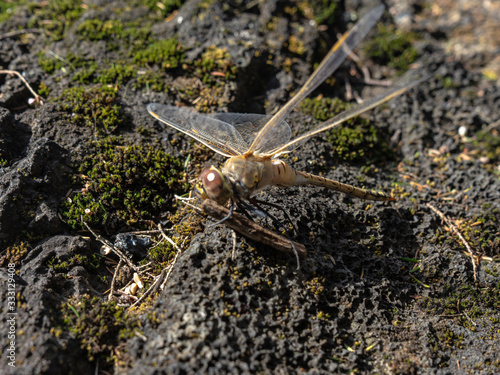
150	289
455	229
20	32
115	274
251	230
162	278
38	98
113	248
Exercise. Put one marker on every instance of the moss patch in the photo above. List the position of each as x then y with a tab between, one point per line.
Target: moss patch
356	139
124	186
488	142
475	302
95	107
98	326
14	254
215	62
91	263
56	16
166	54
392	47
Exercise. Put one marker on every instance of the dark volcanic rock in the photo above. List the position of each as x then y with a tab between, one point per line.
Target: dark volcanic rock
42	291
386	288
30	189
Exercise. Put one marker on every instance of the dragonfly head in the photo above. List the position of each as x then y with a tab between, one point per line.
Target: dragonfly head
212	185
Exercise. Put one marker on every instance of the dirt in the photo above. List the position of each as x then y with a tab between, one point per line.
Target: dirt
404	287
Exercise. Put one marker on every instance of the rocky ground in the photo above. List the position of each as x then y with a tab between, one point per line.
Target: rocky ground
410	286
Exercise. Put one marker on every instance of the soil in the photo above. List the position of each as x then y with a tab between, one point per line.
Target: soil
404	287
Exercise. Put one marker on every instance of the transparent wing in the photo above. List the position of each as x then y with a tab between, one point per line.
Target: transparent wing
250	124
409	80
212	132
330	63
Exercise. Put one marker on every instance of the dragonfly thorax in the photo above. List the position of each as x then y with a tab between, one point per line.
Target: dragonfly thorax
247	174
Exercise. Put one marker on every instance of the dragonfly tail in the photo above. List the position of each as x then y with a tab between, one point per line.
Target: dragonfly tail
352	191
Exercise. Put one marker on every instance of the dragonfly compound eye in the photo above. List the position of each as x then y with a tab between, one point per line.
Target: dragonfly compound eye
214	185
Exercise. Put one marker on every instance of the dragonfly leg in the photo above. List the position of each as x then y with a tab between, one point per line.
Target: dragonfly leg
255	201
259	211
244	209
231	209
275	221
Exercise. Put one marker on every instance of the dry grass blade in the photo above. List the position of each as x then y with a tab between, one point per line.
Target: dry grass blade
38	98
455	229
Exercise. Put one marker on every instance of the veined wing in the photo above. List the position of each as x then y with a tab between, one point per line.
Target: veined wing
330	63
250	124
409	80
213	133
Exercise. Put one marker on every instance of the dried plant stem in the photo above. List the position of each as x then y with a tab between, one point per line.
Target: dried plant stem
115	275
38	98
113	248
455	229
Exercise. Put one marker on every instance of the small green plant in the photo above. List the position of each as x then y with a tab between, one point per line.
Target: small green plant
326	12
392	47
95	29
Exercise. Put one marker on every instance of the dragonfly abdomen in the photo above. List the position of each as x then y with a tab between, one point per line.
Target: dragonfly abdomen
307	178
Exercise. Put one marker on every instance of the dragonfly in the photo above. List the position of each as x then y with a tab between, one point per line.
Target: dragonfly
254	142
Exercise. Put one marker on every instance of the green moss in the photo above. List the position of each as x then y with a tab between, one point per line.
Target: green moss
67	64
480	232
161	255
95	107
151	81
215	63
488	142
43	90
55	16
98	326
356	139
8	8
164	7
95	29
464	300
86	75
91	263
125	186
49	65
322	12
492	270
167	54
117	34
448	339
14	254
392	47
326	12
116	74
